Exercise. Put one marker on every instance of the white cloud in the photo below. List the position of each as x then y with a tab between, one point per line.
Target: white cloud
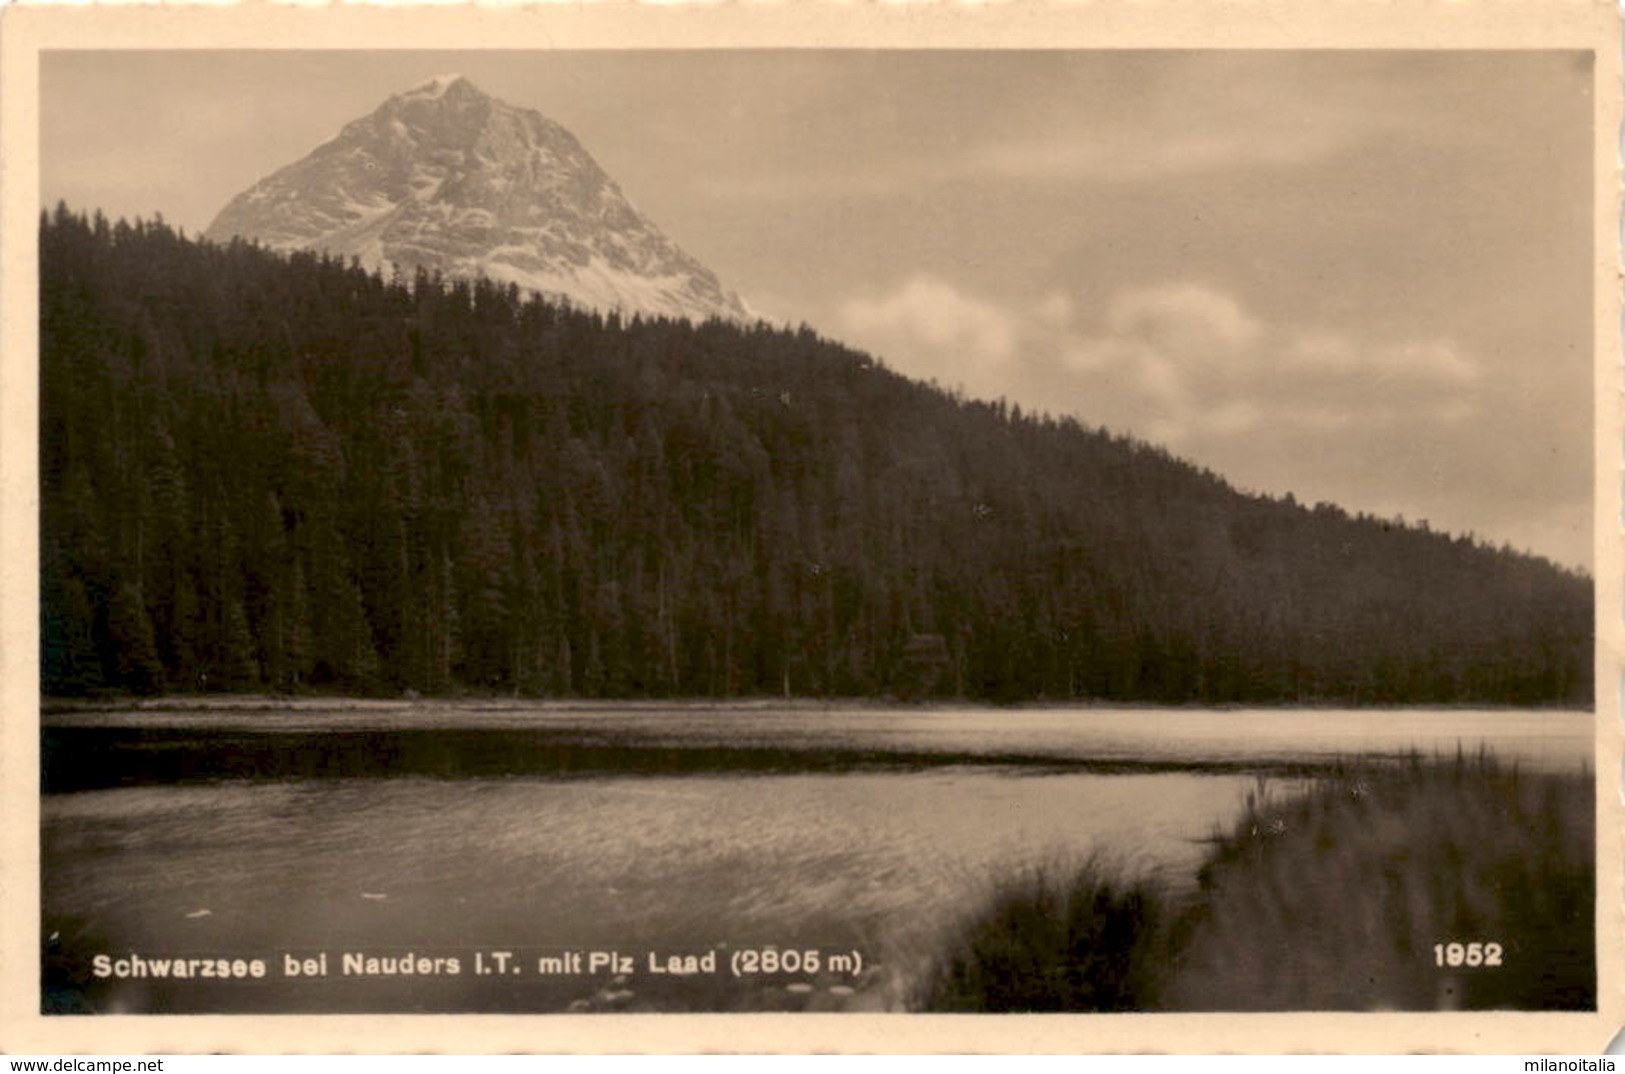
1236	416
1191	362
1188	318
1055	309
1180	361
1438	361
928	328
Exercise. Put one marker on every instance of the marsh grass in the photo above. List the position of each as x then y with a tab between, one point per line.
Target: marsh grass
1052	938
1328	899
1334	899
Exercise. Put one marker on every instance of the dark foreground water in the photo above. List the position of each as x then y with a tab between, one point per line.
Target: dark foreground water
440	857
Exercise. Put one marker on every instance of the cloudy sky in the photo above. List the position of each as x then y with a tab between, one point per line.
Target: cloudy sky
1357	277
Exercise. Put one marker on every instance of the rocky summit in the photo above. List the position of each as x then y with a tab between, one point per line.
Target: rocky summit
449	179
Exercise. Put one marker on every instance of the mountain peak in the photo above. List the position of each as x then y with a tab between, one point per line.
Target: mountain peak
438	86
446	178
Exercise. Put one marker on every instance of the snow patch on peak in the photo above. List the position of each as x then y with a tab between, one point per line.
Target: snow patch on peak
435	88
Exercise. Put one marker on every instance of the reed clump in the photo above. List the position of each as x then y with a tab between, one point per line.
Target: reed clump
1052	937
1329	899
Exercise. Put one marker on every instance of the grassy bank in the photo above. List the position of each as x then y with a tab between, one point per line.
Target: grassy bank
1332	899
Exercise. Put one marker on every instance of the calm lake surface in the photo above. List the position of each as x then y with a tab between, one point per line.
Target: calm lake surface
276	830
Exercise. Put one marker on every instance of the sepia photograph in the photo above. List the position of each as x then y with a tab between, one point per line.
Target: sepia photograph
834	529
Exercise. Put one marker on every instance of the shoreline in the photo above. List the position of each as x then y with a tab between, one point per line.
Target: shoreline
492	703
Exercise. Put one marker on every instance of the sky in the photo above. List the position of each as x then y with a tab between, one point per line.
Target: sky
1359	277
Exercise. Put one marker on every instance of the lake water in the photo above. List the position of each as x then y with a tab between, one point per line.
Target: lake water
557	832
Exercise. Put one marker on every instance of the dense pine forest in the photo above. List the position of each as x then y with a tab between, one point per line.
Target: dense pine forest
283	473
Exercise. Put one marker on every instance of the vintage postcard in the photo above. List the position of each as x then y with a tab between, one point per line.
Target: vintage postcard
1022	527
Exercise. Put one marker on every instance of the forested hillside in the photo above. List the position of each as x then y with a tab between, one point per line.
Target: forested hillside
282	473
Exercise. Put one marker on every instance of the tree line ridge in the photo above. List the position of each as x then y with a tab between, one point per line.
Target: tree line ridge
282	472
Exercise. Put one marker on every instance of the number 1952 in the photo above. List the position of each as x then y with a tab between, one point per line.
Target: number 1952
1467	954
